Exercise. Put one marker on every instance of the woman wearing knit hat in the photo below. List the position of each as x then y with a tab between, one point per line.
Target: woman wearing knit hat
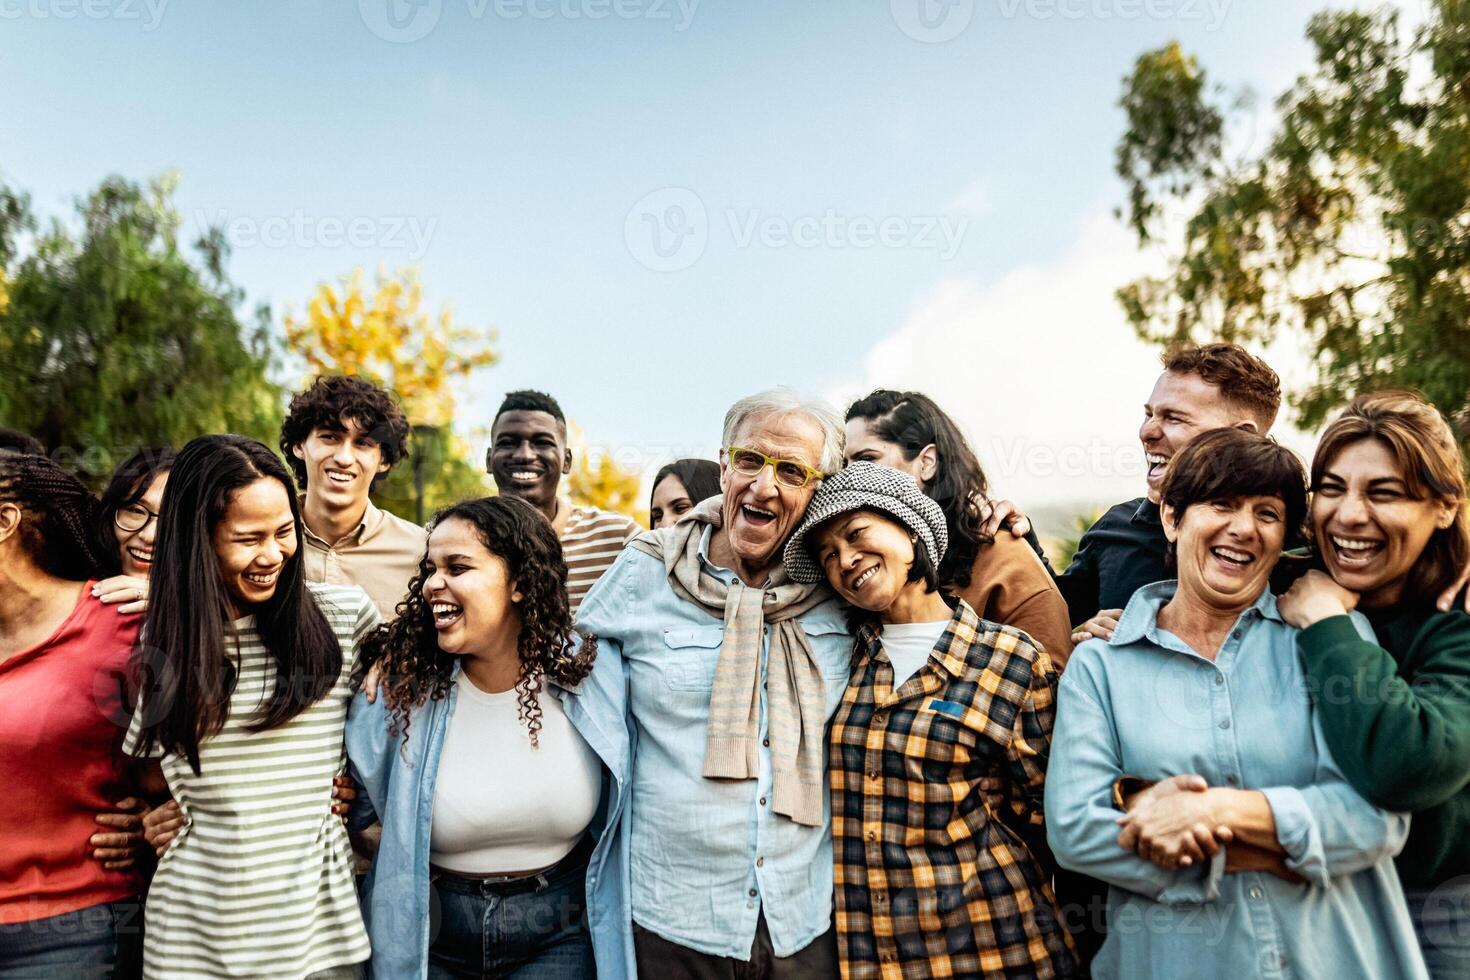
929	878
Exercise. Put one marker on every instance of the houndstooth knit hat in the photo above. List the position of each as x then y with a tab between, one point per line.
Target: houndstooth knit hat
869	485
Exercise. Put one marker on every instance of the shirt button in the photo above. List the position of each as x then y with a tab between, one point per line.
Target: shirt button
1231	779
1219	680
766	742
1225	723
879	898
1257	894
752	893
878	719
760	862
872	835
873	774
763	801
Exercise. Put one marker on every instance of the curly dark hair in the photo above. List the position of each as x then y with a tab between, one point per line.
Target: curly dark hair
412	667
527	400
329	401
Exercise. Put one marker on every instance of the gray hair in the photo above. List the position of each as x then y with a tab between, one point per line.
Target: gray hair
786	401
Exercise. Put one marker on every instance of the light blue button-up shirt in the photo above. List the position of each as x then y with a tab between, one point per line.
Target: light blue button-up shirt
1145	704
708	856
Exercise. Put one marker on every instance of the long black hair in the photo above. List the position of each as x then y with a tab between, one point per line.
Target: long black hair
58	514
130	481
911	421
415	669
188	673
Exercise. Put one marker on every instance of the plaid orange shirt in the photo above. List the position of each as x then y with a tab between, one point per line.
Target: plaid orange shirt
930	880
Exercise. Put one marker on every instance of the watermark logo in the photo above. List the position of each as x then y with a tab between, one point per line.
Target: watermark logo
667	230
408	234
932	21
406	21
147	12
401	21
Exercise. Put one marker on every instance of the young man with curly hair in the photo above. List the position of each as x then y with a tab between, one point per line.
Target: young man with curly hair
340	435
528	456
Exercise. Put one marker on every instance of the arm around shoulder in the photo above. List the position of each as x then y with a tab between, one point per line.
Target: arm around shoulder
1400	742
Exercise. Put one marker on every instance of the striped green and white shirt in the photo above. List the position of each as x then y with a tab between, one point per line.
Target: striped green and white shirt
259	882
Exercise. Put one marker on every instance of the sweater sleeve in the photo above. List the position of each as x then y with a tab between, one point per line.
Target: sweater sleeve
1043	616
1402	745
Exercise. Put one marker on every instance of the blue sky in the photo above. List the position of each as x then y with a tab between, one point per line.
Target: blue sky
845	198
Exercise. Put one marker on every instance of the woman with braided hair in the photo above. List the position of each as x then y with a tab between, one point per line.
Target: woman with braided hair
496	756
63	710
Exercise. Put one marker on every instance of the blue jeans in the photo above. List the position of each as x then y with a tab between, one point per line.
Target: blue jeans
101	942
532	928
1442	921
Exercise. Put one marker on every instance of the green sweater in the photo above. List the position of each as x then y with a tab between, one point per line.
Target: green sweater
1397	718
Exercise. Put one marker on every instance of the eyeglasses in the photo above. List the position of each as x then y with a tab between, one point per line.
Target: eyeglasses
134	518
789	473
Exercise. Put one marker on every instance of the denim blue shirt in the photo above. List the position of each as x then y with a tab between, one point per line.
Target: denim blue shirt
1145	704
708	855
396	784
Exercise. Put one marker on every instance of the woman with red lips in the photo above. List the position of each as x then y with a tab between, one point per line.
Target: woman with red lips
1388	513
127	521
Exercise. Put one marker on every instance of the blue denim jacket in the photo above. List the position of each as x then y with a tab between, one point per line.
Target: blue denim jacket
1145	704
396	785
709	856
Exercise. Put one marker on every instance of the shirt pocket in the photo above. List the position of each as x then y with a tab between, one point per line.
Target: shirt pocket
694	651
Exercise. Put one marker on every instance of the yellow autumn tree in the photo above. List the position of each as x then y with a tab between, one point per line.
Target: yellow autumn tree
384	333
597	480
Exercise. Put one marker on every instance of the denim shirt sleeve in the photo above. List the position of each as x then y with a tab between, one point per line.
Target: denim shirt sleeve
1328	829
603	612
1082	825
369	753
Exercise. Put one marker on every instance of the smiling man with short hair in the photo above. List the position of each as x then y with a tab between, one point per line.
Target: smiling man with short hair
527	458
340	436
733	671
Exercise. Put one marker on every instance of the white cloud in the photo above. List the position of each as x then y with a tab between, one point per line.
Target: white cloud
1042	371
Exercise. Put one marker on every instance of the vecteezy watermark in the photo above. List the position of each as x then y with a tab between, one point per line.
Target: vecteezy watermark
1211	12
932	21
669	230
399	233
147	12
406	21
937	21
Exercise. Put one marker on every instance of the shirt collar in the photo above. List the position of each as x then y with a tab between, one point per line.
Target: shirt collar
953	647
1141	616
372	517
1147	513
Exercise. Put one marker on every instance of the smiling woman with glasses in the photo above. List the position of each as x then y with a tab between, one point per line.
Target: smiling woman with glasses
127	522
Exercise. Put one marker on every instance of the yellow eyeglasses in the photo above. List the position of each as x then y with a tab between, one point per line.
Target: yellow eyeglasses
789	473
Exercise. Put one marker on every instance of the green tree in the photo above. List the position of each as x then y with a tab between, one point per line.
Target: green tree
112	338
1350	227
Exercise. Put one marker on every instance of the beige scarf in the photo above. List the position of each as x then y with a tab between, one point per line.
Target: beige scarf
795	694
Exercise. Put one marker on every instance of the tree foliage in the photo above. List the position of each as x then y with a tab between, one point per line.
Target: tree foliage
112	338
389	337
1350	227
597	480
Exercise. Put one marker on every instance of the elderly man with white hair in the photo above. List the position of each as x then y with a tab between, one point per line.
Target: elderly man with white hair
733	671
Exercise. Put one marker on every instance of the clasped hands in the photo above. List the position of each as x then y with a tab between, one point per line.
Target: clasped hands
1178	823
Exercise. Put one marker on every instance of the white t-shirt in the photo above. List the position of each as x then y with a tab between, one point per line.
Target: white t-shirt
500	805
908	645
